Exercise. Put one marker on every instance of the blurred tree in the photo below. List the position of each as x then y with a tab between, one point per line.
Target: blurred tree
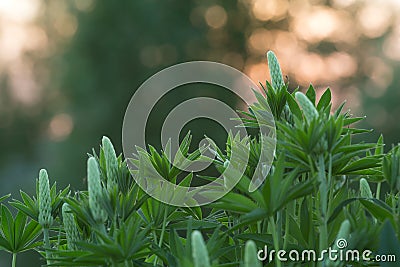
115	48
82	61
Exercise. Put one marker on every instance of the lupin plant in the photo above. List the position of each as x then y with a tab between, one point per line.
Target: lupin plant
95	191
322	188
45	217
309	111
250	255
111	163
365	190
275	71
70	227
199	251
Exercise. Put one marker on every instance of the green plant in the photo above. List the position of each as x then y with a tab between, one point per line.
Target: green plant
18	234
322	187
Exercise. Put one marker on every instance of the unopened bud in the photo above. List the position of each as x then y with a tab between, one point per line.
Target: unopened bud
70	227
309	111
199	250
275	71
365	189
95	191
45	209
111	163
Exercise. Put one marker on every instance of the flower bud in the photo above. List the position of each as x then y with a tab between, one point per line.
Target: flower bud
45	209
275	71
309	111
250	255
70	227
365	189
95	191
111	163
199	250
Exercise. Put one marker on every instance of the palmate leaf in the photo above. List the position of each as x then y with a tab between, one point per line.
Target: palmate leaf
121	244
30	205
84	258
17	234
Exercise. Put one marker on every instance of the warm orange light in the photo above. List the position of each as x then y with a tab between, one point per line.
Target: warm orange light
375	18
216	17
269	9
60	127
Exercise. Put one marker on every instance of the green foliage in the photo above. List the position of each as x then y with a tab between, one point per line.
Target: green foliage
18	234
250	255
322	187
391	168
199	251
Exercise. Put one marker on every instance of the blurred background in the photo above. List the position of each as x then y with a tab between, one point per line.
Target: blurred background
69	68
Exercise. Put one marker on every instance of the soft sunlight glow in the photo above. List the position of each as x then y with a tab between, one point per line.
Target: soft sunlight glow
60	127
321	23
375	19
216	17
66	25
391	46
18	35
24	88
269	9
21	11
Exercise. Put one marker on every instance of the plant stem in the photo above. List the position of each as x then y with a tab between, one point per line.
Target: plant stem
155	241
378	190
128	263
330	187
46	243
324	191
275	238
164	224
14	259
287	217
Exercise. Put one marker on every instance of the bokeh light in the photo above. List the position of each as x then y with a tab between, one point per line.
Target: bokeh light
68	68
